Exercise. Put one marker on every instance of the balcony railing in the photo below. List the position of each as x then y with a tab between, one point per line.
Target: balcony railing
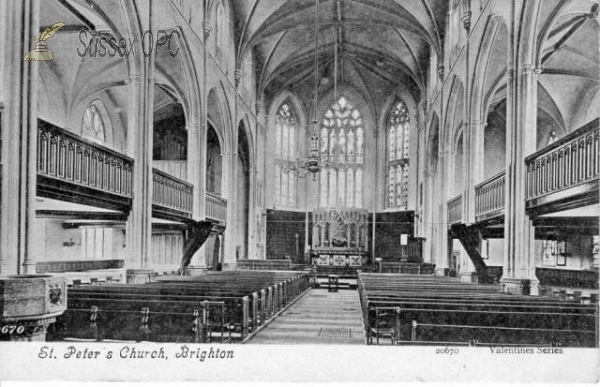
455	210
569	162
489	197
66	157
170	193
176	168
216	207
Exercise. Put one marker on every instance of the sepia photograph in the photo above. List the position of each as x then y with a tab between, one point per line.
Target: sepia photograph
300	191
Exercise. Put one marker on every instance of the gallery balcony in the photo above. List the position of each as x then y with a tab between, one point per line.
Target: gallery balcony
216	208
564	175
490	198
172	198
73	169
455	210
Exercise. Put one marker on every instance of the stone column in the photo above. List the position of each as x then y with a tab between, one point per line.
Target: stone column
200	146
203	127
230	231
519	263
444	171
19	139
139	144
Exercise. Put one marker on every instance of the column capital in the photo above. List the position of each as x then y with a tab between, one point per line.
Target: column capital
237	76
132	78
483	124
440	72
206	28
466	19
527	68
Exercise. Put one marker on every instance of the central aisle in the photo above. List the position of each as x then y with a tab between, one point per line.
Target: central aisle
319	317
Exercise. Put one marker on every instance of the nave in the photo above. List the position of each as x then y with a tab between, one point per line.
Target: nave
320	317
291	307
449	146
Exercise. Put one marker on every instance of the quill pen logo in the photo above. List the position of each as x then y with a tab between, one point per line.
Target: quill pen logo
40	51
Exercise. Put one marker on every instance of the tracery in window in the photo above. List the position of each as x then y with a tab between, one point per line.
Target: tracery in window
398	130
342	146
552	138
92	124
286	133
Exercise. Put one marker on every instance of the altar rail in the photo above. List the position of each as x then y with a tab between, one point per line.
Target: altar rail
587	279
65	160
569	162
171	194
406	267
455	210
264	264
490	197
216	207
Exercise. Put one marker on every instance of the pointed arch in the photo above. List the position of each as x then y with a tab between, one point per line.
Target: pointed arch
218	114
492	62
453	106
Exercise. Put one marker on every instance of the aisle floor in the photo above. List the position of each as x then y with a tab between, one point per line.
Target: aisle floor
319	317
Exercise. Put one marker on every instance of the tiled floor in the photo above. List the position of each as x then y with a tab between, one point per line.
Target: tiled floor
320	317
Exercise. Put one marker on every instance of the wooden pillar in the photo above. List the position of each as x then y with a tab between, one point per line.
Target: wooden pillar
263	306
255	316
270	302
245	316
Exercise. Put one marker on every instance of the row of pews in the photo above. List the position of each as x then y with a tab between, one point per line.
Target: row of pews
216	307
427	310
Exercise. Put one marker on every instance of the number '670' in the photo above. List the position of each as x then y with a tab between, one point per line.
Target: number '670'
12	329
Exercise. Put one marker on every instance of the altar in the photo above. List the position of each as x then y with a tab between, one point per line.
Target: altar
340	237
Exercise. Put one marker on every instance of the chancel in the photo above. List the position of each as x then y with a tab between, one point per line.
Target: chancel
391	172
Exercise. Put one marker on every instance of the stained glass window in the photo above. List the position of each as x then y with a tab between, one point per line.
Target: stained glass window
286	132
342	146
398	156
92	124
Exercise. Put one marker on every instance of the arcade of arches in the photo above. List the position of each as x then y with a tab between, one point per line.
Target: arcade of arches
457	133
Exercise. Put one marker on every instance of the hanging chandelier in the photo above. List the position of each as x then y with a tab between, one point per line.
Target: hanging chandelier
314	157
312	164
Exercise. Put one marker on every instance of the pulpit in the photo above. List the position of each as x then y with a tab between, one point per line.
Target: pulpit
340	236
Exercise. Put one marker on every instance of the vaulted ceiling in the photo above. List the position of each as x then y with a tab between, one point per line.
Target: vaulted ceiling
380	44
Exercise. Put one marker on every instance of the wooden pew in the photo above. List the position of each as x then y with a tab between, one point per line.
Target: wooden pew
226	306
411	309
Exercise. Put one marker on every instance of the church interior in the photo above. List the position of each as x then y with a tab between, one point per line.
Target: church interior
390	172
